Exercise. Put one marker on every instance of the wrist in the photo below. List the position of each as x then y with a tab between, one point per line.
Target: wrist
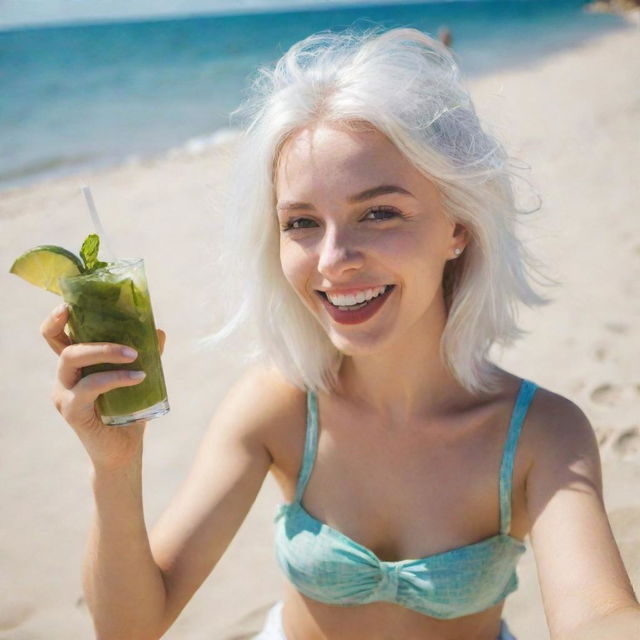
116	453
107	472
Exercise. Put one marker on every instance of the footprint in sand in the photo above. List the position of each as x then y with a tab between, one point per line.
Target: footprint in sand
609	394
614	394
617	327
13	614
602	434
600	353
627	443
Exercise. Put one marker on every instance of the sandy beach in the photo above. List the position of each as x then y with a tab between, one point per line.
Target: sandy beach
573	117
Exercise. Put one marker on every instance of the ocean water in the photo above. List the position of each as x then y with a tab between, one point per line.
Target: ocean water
94	95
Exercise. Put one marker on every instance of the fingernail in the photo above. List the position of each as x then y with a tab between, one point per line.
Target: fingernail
137	375
128	352
60	309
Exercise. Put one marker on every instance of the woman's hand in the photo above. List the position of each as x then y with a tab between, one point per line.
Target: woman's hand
75	397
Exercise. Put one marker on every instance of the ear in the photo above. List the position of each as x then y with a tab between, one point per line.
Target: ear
459	240
461	233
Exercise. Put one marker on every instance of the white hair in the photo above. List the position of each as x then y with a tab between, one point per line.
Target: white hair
405	85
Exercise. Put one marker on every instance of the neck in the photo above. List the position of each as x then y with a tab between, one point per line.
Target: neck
406	379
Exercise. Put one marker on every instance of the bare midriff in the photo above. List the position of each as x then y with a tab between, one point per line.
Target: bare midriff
306	619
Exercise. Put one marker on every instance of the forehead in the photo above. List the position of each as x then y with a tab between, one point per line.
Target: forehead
333	158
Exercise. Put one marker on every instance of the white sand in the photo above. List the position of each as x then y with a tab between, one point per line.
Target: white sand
573	117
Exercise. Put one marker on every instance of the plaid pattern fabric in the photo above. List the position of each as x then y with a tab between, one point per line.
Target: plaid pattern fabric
328	566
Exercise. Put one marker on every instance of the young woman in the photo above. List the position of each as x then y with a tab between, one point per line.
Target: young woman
374	227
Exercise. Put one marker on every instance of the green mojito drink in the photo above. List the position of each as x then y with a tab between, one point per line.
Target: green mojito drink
111	304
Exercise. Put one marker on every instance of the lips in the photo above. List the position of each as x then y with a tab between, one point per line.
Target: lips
358	315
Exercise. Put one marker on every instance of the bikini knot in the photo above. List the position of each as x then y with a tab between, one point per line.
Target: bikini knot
387	588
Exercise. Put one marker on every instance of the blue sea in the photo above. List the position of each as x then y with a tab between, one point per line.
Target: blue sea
97	94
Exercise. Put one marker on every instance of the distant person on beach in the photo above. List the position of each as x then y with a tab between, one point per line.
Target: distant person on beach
372	237
445	36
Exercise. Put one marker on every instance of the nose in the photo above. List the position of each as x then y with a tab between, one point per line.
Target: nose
339	252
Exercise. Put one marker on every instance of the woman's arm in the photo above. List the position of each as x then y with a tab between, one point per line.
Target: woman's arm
137	585
135	588
585	587
122	584
623	624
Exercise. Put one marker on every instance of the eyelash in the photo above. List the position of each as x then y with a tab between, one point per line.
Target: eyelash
288	226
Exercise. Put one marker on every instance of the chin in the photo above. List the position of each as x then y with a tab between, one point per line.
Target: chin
363	345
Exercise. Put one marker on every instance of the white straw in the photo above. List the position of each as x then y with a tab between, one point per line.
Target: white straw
104	239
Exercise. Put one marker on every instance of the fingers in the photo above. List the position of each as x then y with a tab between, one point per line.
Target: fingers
162	338
76	356
52	329
76	403
99	383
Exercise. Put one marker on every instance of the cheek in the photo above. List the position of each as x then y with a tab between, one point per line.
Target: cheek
295	264
398	247
402	251
414	256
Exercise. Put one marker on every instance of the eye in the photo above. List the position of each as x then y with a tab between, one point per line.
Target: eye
381	214
298	223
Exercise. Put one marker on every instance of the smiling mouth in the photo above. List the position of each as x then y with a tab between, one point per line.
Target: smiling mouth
358	312
358	305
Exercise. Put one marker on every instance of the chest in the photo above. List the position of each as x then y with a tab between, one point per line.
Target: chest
405	491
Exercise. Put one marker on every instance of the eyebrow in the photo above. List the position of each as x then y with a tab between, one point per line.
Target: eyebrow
367	194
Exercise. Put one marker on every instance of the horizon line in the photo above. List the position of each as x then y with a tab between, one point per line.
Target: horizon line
308	6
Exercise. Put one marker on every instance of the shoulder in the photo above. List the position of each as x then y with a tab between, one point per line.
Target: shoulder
261	404
569	528
555	420
561	442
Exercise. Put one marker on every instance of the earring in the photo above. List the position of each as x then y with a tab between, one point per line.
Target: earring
457	251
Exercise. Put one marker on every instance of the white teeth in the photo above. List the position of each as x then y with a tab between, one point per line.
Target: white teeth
361	296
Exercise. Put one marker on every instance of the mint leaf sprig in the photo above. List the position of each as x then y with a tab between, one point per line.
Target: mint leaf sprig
89	254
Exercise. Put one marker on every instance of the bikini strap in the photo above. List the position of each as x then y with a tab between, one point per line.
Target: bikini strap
525	395
310	445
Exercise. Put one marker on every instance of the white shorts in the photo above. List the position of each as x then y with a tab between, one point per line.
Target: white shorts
273	626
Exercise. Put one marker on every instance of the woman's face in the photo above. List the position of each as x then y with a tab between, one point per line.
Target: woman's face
363	237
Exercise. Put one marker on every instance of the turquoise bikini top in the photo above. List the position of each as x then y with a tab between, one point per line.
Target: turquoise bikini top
328	566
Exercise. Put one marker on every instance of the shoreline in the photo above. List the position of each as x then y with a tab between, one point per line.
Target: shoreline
69	167
194	146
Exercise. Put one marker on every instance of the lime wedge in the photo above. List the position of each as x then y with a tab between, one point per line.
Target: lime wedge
43	266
